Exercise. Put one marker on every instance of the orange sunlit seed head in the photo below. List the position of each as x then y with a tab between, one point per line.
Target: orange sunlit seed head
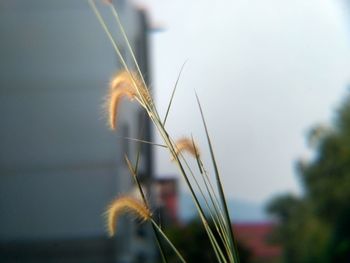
186	145
122	205
124	84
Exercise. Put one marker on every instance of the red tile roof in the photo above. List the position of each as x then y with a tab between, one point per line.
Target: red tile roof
254	236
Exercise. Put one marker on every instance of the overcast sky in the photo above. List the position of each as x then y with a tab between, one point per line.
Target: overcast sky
265	70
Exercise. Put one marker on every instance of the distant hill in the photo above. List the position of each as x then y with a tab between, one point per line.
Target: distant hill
240	210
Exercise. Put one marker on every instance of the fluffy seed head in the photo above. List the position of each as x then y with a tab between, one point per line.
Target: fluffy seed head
122	205
113	102
124	84
187	145
131	81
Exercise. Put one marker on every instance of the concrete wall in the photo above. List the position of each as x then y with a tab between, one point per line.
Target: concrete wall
59	164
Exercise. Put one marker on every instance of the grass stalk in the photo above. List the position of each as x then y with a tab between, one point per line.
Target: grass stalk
173	93
143	101
168	241
137	182
194	196
218	224
108	33
221	219
121	28
144	141
220	188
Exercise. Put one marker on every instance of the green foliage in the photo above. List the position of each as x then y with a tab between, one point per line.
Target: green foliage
315	227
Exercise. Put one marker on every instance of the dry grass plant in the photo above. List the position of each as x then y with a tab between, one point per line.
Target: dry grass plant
132	85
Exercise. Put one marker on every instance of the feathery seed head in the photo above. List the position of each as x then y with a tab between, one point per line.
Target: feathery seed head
187	145
121	79
124	84
113	102
122	205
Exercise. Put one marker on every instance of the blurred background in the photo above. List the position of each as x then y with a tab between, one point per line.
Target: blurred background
273	81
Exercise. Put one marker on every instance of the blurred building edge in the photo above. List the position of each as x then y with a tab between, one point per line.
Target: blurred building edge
257	239
60	166
166	192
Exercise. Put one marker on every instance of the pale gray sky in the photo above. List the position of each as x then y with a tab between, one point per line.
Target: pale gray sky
265	70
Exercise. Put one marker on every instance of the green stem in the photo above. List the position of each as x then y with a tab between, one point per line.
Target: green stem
220	188
167	239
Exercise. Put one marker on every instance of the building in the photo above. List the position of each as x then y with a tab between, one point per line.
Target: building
60	165
256	238
166	192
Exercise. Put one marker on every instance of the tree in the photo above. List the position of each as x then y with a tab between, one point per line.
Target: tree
315	227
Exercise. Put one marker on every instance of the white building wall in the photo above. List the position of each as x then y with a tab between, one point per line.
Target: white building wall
59	164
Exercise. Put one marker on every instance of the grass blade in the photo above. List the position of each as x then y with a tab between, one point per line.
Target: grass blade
143	141
173	93
169	242
219	185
